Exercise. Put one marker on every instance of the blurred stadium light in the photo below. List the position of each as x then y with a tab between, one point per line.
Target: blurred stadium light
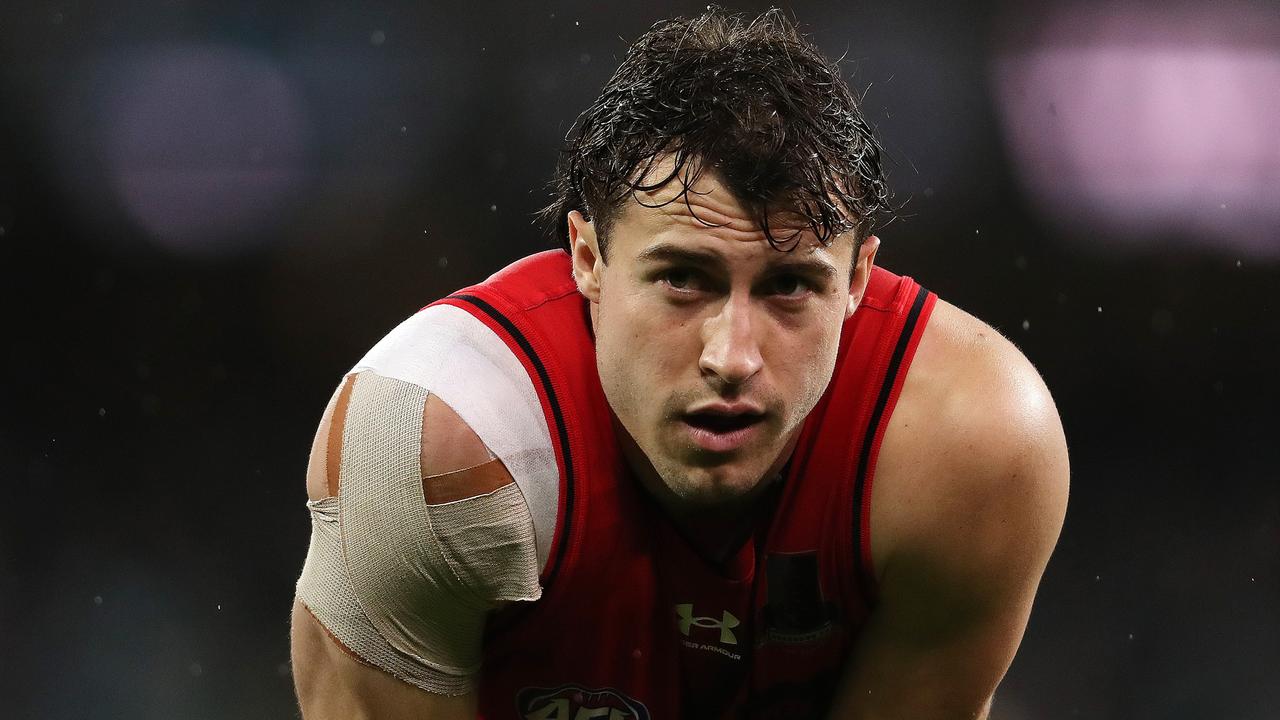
1136	123
202	146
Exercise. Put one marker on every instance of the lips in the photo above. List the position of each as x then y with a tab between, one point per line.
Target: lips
722	428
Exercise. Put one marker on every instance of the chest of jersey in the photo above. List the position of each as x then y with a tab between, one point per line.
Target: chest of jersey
633	623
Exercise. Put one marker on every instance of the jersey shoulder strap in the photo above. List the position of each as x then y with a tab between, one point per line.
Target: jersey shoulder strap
534	306
833	469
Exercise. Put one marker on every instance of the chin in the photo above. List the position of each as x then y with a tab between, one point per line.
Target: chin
708	488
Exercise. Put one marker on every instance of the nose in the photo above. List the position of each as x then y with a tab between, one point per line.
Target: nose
730	350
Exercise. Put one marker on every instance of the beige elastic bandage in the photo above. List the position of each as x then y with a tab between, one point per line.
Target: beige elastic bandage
402	571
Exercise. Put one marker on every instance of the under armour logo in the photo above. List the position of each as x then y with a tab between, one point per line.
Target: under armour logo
684	612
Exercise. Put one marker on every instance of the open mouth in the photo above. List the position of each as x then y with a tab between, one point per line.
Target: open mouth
717	423
722	432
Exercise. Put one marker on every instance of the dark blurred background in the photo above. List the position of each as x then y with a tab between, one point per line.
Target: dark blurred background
209	211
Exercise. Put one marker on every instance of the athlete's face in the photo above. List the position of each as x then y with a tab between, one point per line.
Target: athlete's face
712	346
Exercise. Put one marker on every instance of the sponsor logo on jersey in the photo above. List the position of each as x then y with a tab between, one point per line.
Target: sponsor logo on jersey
685	619
574	702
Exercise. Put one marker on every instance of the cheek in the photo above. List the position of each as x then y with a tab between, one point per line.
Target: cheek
639	356
808	362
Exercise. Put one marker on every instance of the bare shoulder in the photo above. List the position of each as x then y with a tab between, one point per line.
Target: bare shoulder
982	393
974	450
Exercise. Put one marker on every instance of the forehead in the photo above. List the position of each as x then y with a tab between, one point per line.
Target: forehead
701	211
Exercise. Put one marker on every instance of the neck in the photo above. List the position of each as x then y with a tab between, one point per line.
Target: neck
715	530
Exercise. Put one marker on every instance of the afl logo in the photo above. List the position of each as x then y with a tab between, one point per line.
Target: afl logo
572	702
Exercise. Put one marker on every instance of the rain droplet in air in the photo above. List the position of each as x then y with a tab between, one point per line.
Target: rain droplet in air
1026	324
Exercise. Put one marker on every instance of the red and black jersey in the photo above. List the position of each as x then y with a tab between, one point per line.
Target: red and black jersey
633	623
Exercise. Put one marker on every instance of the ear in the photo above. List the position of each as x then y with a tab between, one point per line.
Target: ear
587	261
861	273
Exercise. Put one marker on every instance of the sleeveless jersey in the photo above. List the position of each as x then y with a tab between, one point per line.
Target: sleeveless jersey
632	622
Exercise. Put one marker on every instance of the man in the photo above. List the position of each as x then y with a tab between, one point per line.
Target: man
710	462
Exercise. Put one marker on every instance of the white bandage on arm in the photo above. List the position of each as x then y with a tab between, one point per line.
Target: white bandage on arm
463	363
404	585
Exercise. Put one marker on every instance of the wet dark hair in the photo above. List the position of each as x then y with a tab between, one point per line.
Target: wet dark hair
749	98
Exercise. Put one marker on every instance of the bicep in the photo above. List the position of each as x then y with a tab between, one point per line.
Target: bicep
932	654
945	629
333	685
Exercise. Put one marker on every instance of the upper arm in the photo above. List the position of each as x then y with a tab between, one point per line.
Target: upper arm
418	531
332	684
974	490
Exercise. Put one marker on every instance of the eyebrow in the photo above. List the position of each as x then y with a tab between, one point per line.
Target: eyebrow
666	252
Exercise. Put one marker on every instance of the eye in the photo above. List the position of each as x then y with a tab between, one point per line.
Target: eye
789	286
679	279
